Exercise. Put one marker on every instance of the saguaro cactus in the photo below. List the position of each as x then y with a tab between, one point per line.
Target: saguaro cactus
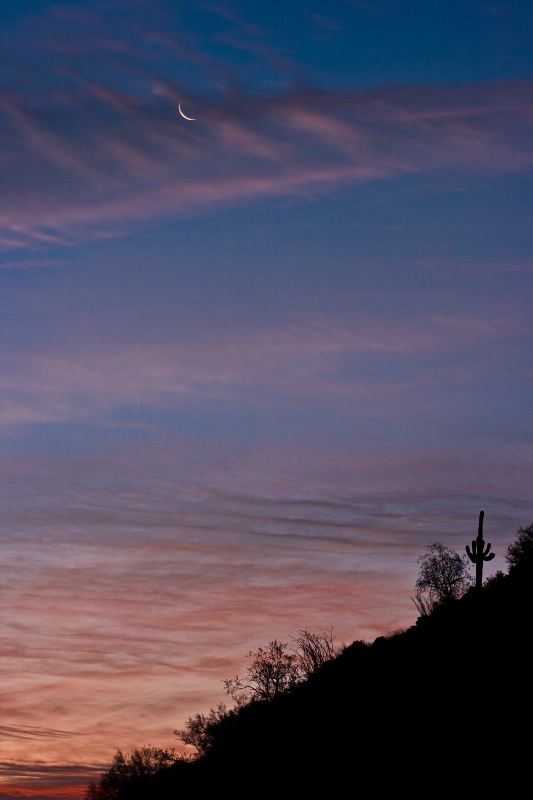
479	552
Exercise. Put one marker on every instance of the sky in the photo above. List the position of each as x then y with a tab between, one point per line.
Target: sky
253	363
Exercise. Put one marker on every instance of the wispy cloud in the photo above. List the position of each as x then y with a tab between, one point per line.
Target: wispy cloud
291	361
117	159
41	779
46	781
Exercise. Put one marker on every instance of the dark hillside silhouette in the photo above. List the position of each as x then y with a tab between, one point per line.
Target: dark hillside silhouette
443	708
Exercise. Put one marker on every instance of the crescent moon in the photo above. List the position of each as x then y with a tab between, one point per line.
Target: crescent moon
191	119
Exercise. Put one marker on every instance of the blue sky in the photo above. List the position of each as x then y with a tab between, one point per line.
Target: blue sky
253	364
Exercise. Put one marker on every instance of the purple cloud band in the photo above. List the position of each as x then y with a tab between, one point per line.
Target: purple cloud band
100	160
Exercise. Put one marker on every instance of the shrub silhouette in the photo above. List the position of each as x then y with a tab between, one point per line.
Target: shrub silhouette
131	776
202	730
313	650
272	671
520	552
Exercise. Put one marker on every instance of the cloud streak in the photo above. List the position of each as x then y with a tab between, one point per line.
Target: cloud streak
103	160
258	368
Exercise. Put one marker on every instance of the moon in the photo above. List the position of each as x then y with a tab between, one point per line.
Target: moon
191	119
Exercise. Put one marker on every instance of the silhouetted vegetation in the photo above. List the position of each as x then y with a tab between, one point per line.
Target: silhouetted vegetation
134	775
313	650
442	708
443	577
520	552
274	670
479	552
202	730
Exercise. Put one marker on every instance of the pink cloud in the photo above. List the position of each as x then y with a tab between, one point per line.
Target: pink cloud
156	625
116	160
294	360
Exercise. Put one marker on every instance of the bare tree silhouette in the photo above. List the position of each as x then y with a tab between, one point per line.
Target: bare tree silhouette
443	576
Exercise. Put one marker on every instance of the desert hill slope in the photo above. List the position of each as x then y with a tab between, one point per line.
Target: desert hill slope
443	707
